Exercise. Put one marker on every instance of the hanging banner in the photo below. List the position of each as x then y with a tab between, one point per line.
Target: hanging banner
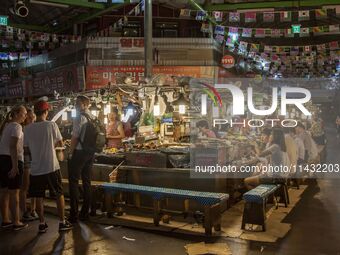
259	32
304	15
234	17
247	32
320	13
268	17
201	15
286	16
206	28
99	76
185	13
218	16
61	80
250	17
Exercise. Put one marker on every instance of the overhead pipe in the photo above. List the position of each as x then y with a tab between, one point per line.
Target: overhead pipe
148	39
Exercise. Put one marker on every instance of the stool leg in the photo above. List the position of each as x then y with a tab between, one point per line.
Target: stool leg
95	191
287	194
264	217
108	204
119	204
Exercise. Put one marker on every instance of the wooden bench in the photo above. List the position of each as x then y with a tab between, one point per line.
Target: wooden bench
256	202
211	201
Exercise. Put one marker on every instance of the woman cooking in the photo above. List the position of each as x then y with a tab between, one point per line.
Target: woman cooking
114	131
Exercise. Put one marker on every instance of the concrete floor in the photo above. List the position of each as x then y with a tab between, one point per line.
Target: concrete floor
315	230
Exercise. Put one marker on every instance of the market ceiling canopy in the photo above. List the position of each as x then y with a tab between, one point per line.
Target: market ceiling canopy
60	15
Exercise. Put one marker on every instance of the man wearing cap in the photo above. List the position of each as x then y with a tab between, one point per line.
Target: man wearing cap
41	139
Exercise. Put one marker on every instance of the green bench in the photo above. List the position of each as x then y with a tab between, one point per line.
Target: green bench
256	202
211	201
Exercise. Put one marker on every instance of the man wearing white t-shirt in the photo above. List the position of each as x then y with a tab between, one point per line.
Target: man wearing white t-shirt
40	139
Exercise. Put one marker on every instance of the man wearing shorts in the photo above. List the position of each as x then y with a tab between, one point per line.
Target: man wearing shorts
40	139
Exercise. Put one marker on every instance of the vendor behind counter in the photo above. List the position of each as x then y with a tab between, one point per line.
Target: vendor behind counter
114	130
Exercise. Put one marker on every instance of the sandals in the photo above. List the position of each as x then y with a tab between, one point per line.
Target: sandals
20	227
7	225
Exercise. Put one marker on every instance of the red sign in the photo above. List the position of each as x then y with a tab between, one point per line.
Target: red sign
100	76
228	61
60	80
131	44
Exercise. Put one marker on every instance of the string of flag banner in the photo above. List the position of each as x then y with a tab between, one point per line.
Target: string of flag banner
270	32
320	60
295	50
22	44
267	16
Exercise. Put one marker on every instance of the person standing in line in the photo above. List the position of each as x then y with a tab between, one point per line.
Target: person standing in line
80	163
12	166
29	214
41	139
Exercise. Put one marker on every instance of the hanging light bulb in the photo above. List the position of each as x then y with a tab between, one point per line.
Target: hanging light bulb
156	107
94	110
181	109
204	104
181	102
156	110
64	116
107	109
234	37
74	113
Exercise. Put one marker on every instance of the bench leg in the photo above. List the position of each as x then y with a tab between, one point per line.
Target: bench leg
186	208
108	204
119	204
156	212
96	194
254	213
287	194
282	192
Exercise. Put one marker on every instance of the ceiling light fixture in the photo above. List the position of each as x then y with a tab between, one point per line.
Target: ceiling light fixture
20	9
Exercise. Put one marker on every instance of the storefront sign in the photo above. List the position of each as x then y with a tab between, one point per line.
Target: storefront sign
100	76
131	44
15	89
228	61
61	80
3	20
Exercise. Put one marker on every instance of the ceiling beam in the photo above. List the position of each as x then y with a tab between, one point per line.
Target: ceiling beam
276	4
79	3
30	27
91	15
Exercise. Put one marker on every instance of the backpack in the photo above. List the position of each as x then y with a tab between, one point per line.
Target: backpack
93	134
